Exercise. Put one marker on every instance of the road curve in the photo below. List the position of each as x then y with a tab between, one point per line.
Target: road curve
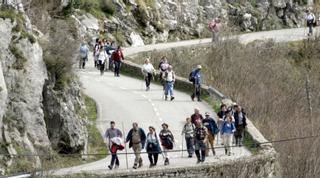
124	100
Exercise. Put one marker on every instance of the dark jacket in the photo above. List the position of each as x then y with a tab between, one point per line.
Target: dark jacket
221	114
142	137
211	125
236	119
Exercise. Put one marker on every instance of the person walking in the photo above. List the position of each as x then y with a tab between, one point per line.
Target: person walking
96	51
109	50
84	50
199	141
188	131
137	139
116	144
167	141
196	81
196	116
228	129
147	71
213	130
214	27
163	66
117	57
310	19
240	120
169	78
153	146
111	133
221	118
102	58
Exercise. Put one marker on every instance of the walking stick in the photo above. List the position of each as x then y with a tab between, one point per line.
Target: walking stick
182	145
125	145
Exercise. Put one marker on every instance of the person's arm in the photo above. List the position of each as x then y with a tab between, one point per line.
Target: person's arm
119	133
129	136
122	56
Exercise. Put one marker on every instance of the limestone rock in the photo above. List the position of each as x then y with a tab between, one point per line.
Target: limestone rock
136	40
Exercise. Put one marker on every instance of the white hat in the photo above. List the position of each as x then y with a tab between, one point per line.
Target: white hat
199	67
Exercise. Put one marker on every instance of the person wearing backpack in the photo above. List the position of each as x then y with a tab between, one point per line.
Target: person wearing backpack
84	50
111	133
109	50
228	130
311	19
147	71
167	141
137	139
117	57
214	27
213	130
188	131
169	78
153	146
196	79
200	139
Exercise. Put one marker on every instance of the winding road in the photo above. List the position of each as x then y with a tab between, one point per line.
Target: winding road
124	100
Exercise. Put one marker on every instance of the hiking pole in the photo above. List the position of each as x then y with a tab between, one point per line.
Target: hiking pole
182	145
125	144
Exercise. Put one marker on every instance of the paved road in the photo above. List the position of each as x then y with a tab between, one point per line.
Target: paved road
124	100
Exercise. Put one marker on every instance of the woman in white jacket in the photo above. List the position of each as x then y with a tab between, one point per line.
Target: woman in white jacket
147	71
102	57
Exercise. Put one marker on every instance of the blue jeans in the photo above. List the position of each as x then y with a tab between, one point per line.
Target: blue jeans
114	158
169	89
189	142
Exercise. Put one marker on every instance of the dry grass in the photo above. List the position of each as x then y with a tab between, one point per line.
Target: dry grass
269	80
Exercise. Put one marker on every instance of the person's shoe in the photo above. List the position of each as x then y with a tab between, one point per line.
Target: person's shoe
213	152
192	98
116	166
110	167
166	97
225	151
198	161
172	98
151	165
166	161
134	167
190	156
199	100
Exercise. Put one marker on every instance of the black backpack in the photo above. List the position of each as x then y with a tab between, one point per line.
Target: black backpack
191	76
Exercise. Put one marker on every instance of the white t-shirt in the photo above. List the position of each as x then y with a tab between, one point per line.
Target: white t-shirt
102	56
310	16
147	68
170	76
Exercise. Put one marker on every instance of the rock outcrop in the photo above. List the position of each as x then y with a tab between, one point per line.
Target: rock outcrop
35	117
162	20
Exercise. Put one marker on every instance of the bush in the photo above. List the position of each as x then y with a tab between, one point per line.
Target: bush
20	59
108	7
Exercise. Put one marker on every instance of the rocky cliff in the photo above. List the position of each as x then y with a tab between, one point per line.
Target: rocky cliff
151	21
41	108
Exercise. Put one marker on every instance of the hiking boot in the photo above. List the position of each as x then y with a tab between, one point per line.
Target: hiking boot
198	161
166	97
172	98
151	165
134	167
190	156
166	161
110	167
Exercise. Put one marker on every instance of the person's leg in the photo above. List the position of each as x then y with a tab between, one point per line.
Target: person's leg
84	62
197	152
212	144
119	67
166	91
113	159
107	64
149	79
213	36
115	67
198	92
150	158
136	154
224	137
189	146
229	143
203	151
241	135
155	156
193	92
171	91
117	161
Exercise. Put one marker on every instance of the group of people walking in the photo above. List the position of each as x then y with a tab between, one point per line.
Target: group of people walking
167	78
200	135
106	56
138	140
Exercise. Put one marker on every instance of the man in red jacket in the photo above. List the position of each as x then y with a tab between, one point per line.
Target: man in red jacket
117	57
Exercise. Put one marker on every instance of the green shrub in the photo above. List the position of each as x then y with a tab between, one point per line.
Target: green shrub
20	59
108	7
